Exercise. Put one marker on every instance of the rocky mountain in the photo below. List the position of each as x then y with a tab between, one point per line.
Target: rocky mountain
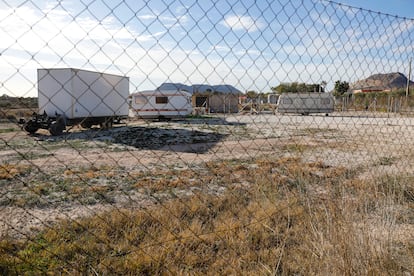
390	81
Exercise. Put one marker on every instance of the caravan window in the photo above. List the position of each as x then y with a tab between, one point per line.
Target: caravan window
161	100
140	99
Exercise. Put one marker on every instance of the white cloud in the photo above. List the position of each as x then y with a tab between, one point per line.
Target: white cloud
34	29
167	21
220	48
182	9
33	38
147	17
248	52
238	23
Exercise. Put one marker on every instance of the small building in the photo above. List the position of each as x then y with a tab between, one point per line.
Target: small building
209	98
217	98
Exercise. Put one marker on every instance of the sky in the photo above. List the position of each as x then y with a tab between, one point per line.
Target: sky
402	8
252	45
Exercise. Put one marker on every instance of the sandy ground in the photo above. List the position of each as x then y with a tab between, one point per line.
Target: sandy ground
380	143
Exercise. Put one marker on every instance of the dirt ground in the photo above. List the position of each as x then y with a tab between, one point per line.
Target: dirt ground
376	143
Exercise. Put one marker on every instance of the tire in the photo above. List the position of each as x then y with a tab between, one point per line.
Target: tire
110	123
163	119
31	127
86	124
107	124
56	129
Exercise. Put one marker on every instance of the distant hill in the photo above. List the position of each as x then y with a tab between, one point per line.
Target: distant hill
17	102
200	88
390	81
13	108
175	86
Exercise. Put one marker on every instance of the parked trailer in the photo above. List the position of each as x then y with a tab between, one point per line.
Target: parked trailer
306	103
160	104
68	96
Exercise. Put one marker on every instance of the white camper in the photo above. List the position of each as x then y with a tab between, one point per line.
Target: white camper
306	103
160	104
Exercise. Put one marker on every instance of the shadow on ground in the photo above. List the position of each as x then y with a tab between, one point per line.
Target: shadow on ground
183	140
209	121
146	138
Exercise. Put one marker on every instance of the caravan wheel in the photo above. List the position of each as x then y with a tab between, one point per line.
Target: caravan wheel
163	119
31	127
86	124
56	129
108	123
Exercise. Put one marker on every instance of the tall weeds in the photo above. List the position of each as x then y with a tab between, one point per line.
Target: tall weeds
288	217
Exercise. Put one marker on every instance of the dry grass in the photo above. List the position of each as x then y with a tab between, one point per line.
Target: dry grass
10	171
13	114
289	218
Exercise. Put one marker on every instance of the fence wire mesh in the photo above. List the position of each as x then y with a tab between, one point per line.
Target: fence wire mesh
194	137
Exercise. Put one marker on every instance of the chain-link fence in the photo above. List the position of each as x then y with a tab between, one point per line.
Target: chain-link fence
205	137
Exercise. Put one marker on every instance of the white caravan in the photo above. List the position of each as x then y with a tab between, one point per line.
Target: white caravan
160	104
306	103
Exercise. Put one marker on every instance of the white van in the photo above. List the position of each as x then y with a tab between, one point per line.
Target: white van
160	104
306	103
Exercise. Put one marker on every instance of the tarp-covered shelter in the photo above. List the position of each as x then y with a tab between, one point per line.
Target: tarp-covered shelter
211	98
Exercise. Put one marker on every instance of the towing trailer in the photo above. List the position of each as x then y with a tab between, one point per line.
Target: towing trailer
68	96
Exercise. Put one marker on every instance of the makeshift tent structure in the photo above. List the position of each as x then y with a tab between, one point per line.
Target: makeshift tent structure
210	98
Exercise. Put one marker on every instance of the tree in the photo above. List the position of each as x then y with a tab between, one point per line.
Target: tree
341	87
281	88
252	94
